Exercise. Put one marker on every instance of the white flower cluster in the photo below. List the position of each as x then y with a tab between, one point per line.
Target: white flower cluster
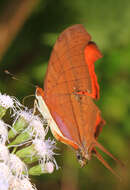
43	148
9	102
13	171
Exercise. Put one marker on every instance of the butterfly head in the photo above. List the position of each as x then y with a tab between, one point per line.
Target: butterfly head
83	157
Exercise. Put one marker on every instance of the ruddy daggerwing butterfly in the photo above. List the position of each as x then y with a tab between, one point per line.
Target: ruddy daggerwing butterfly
69	91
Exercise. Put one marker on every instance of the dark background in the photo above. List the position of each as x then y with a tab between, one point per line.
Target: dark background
28	30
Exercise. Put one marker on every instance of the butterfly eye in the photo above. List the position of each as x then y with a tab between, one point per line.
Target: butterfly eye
79	156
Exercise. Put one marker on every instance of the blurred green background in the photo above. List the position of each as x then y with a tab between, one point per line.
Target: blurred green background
28	30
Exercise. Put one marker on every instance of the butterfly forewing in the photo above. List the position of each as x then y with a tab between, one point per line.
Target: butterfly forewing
67	62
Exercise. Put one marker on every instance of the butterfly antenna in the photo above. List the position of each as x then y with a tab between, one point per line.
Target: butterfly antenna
97	144
15	78
101	159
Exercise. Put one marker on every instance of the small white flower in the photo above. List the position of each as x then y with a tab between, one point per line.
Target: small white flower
49	166
6	101
36	128
14	183
17	104
17	167
5	176
44	151
4	153
3	132
26	185
21	184
26	114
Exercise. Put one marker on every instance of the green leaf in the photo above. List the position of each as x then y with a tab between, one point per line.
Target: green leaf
23	137
28	154
19	125
37	170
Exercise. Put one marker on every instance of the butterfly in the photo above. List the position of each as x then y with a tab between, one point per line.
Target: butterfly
70	89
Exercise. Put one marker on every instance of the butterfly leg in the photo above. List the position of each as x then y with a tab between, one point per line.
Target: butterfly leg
34	107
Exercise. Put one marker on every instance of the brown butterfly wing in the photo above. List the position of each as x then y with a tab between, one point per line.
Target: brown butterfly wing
67	62
67	75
